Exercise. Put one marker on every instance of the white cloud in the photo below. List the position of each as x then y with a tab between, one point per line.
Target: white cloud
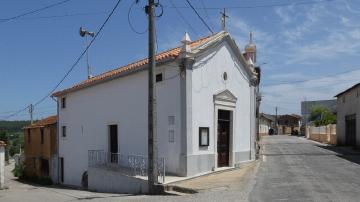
334	45
345	21
288	76
307	22
241	29
285	14
288	96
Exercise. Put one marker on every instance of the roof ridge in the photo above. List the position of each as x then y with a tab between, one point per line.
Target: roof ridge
171	52
147	58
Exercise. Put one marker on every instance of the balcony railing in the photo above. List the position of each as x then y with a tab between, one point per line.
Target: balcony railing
137	165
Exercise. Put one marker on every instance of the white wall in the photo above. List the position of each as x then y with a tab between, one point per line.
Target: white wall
207	80
349	107
124	102
263	128
2	167
103	180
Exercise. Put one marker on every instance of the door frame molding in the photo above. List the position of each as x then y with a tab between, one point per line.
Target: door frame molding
225	100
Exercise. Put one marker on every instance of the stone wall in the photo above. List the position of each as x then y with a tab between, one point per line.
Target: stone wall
323	134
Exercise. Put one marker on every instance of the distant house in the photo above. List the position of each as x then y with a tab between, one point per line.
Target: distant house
307	106
40	148
206	93
348	117
266	121
288	123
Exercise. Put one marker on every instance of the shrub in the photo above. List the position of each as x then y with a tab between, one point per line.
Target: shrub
19	171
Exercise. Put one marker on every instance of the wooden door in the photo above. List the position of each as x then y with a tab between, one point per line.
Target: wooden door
113	137
223	140
61	169
350	130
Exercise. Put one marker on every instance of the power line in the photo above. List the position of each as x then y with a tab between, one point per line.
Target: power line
62	16
192	7
313	79
129	20
81	55
16	113
34	11
75	64
4	113
183	18
261	6
206	13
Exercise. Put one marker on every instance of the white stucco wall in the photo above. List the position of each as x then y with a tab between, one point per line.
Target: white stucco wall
112	181
124	102
263	128
349	107
207	80
2	167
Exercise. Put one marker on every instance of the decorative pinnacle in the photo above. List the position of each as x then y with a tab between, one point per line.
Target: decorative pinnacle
186	39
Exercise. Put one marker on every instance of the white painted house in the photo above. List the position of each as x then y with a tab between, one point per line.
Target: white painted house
206	110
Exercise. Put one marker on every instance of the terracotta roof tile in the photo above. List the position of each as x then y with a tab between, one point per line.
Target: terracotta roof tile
43	122
171	53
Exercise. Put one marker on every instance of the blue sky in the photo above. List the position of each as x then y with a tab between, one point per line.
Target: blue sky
310	50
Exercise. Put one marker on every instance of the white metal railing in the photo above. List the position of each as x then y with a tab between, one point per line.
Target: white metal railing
136	164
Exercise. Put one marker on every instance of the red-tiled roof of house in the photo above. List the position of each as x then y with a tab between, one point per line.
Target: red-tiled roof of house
168	54
43	122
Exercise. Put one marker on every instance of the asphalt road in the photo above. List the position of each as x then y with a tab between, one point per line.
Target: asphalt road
292	169
296	169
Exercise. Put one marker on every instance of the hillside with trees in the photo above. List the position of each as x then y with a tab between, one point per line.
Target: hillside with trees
11	132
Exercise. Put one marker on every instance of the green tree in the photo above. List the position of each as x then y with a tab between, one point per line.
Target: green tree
321	116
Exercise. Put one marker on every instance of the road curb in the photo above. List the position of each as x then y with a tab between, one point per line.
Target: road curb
182	189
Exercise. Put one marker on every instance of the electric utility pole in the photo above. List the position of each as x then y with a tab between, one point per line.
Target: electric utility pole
31	110
152	137
276	120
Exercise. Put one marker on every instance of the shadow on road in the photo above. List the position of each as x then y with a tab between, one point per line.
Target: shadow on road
347	153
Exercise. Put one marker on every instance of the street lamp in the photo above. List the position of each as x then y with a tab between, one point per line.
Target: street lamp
84	33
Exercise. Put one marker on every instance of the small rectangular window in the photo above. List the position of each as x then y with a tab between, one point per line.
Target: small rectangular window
171	120
171	136
159	77
29	136
63	102
203	136
63	132
42	135
343	99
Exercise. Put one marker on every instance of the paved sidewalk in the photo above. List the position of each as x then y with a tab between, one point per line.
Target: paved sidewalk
19	191
222	180
233	185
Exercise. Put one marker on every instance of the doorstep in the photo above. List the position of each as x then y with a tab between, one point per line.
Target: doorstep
176	179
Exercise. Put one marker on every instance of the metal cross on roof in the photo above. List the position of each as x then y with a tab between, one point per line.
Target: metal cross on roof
223	19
